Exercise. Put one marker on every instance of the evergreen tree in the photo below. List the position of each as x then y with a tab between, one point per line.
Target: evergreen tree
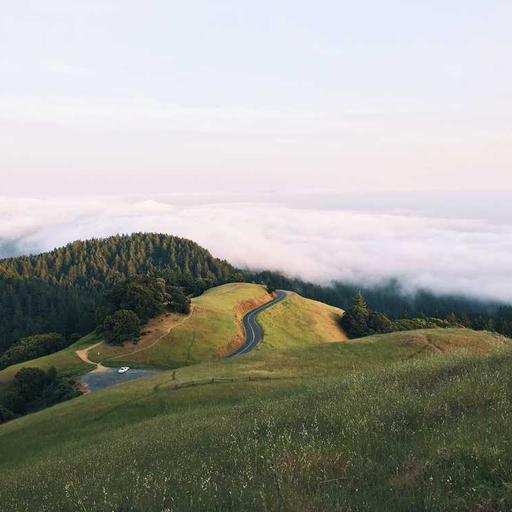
355	320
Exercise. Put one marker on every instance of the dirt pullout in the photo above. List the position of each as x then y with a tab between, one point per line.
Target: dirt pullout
240	310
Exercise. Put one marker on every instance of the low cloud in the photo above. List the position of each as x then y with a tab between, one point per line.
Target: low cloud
443	254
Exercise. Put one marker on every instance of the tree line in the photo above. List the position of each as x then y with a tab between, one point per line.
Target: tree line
360	320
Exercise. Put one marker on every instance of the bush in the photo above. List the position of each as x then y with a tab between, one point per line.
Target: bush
122	326
34	389
32	347
5	414
29	383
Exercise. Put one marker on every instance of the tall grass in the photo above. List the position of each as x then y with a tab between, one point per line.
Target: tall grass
432	434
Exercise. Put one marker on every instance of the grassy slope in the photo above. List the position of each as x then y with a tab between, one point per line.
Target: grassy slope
419	433
300	321
213	327
66	360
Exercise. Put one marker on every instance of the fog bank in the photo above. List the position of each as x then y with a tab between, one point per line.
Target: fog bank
443	252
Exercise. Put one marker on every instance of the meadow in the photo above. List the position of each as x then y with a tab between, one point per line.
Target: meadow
408	421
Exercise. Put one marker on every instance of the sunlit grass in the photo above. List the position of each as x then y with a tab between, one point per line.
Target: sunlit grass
423	429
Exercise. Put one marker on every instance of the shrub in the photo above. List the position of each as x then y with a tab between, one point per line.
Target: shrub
32	347
121	326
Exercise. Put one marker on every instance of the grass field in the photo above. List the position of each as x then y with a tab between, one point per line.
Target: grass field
407	421
299	321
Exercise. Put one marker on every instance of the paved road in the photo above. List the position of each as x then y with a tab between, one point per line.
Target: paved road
109	377
253	330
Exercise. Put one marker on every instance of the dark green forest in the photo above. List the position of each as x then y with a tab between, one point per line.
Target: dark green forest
58	291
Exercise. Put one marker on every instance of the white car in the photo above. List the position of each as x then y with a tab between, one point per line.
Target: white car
123	369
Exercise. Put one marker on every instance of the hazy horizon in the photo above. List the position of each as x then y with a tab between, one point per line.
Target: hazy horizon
444	242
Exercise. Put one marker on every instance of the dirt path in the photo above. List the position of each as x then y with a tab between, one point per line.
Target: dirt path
84	356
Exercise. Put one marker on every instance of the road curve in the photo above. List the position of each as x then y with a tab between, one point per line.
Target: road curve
252	329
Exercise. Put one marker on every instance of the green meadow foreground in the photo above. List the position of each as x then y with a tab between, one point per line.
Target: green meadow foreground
406	421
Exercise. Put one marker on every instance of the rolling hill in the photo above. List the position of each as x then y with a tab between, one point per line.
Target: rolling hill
210	332
308	420
387	422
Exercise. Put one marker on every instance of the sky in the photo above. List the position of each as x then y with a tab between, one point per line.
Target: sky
330	139
111	96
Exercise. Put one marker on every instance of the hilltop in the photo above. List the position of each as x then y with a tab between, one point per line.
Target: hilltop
59	290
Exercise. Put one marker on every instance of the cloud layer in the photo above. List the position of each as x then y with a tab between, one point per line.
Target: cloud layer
444	254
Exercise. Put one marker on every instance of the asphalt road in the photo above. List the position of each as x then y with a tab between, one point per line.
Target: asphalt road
253	330
110	377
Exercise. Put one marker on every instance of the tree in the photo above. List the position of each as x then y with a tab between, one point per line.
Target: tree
121	326
29	383
178	301
33	389
355	320
378	322
270	288
143	295
14	402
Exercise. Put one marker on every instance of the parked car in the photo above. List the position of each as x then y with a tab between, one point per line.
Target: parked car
123	369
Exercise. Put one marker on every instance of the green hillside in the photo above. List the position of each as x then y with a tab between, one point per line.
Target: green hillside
214	328
300	321
211	331
389	423
58	291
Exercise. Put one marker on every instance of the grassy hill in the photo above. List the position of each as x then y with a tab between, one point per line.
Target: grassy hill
300	321
211	331
391	422
214	328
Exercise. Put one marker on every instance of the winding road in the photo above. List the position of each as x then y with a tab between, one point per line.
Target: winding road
252	329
